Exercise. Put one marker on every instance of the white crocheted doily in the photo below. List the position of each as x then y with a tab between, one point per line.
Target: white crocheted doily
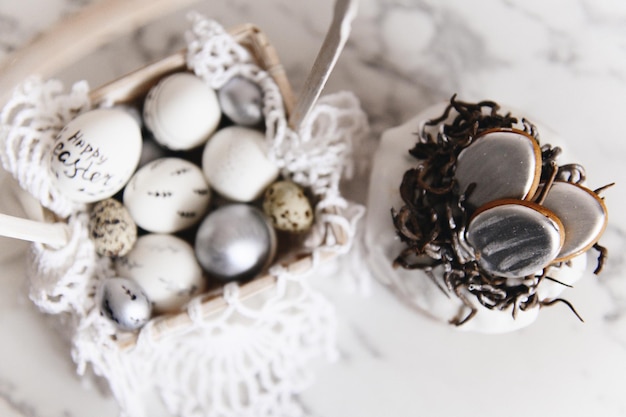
249	358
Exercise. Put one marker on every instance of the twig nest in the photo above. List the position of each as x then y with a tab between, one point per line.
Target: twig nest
236	164
111	228
165	268
95	154
288	207
125	303
167	195
182	111
241	100
235	242
485	228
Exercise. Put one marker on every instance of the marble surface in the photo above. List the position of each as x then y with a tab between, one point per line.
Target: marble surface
563	61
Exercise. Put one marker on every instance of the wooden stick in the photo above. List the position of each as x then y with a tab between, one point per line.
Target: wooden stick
335	40
78	35
52	234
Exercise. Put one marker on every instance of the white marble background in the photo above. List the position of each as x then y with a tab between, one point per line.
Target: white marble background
561	60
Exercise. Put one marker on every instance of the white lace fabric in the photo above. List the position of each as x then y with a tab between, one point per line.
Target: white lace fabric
248	359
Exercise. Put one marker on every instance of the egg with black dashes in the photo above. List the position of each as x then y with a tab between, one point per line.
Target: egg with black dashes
167	195
288	207
124	303
111	228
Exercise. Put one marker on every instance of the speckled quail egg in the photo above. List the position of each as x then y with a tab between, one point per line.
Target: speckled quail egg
288	207
125	303
111	228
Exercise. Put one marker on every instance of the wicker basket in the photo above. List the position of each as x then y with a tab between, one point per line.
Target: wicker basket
133	87
44	227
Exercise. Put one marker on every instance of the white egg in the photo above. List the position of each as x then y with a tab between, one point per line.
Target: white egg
236	164
165	267
167	195
241	101
182	111
95	154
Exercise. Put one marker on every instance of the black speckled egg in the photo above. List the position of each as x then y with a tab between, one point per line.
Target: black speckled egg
111	228
287	206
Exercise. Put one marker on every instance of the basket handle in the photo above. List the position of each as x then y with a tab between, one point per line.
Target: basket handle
51	234
76	36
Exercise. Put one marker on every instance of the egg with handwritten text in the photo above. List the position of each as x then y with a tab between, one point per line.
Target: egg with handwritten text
167	195
95	155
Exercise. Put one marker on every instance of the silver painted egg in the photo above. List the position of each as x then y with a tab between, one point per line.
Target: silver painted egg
583	213
125	303
111	228
287	207
514	238
235	242
503	163
241	101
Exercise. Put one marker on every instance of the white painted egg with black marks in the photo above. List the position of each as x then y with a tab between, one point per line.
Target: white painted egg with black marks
95	154
167	195
288	207
236	163
125	303
165	267
182	111
111	228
